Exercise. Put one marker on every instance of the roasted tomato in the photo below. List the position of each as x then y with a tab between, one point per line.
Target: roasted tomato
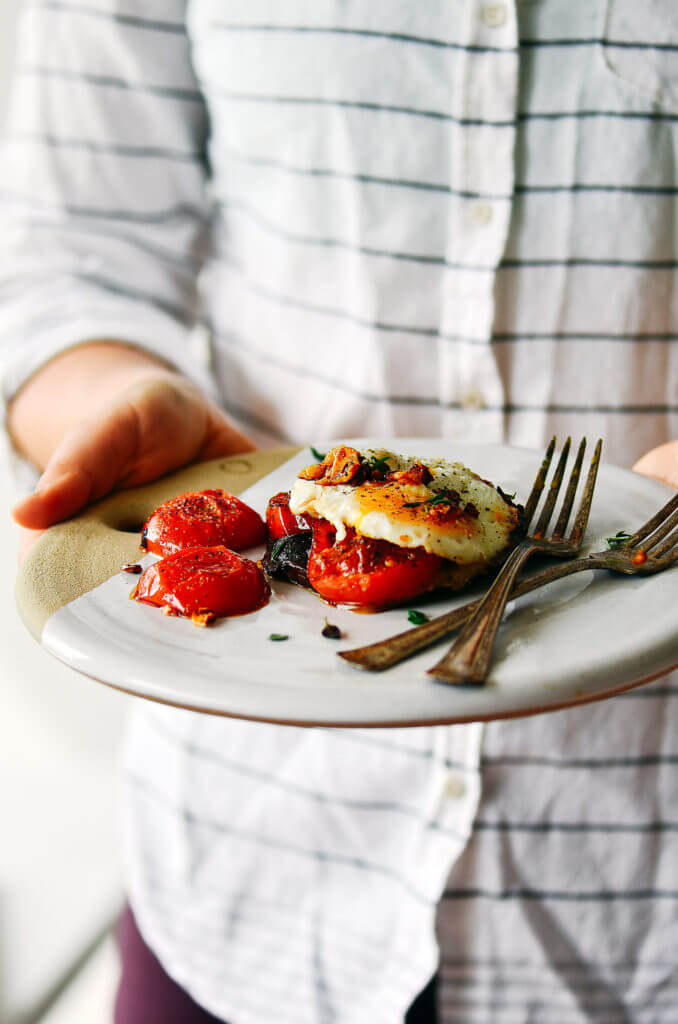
203	583
361	571
280	521
202	519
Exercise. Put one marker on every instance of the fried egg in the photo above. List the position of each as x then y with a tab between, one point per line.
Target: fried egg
455	514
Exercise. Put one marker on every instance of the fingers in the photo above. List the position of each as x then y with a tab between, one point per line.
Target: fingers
155	426
223	438
56	497
660	463
84	467
177	425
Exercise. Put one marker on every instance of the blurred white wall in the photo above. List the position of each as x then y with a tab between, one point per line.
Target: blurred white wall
8	13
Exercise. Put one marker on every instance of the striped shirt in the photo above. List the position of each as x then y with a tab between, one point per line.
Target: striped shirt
420	219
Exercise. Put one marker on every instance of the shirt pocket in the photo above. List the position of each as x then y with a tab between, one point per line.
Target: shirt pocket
640	46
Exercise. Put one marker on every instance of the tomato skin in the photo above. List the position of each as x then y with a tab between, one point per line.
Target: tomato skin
200	580
280	522
362	571
202	519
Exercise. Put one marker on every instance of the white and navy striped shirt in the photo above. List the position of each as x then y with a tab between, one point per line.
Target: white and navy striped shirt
450	219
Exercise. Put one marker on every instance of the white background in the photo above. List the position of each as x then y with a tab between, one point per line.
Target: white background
59	867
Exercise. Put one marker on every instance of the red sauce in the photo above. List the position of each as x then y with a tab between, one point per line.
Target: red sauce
640	558
202	519
203	583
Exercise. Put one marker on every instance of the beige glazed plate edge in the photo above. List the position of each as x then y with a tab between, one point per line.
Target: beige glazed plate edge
76	556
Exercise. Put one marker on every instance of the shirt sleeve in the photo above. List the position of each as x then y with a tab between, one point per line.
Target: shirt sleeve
103	207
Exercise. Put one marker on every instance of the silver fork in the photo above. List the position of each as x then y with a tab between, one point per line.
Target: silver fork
642	554
468	659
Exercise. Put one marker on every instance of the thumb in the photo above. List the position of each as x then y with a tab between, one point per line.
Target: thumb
223	437
85	465
59	494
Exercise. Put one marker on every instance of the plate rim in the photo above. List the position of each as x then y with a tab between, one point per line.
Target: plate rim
404	724
537	708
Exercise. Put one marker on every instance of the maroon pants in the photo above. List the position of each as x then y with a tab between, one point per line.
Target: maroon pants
149	996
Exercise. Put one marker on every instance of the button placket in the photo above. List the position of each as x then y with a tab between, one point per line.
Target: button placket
473	400
481	214
494	15
454	786
485	91
458	789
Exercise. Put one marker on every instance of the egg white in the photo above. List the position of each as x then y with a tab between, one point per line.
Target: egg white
381	512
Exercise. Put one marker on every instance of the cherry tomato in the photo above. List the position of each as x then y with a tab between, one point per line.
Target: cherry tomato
362	571
202	519
281	522
204	582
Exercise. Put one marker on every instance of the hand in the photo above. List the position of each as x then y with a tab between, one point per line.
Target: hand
660	463
155	425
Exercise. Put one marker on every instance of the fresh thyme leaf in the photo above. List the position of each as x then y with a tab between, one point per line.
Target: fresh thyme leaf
278	636
318	456
331	631
378	463
278	546
416	618
619	540
437	499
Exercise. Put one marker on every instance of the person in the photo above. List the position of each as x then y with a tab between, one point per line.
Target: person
438	219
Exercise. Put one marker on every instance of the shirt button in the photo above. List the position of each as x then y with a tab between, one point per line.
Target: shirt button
494	15
481	214
454	787
473	400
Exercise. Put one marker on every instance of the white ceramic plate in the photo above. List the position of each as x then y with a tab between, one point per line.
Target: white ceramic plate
577	640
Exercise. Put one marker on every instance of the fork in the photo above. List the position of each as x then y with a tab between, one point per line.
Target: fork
639	555
468	659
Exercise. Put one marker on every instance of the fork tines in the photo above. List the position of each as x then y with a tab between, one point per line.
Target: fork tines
666	518
661	528
468	659
554	489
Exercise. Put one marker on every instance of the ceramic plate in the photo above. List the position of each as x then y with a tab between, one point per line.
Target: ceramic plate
577	640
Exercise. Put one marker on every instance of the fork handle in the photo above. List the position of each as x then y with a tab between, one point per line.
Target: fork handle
468	659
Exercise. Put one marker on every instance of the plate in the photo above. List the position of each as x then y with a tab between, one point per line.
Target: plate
580	639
